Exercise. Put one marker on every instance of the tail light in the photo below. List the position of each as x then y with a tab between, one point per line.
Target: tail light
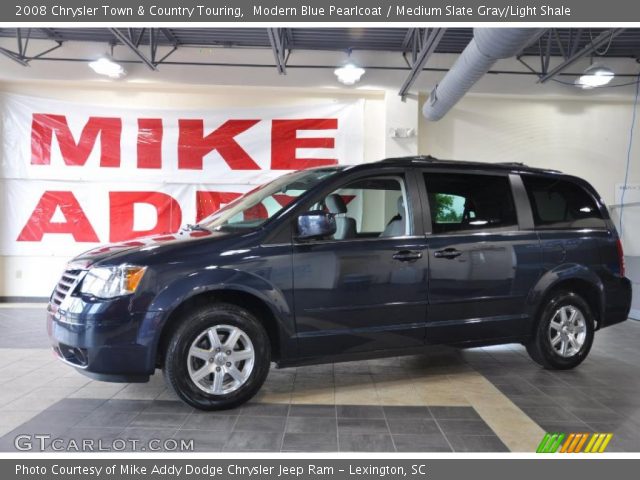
620	257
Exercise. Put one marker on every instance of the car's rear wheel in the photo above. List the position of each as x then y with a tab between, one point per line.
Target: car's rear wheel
218	357
564	333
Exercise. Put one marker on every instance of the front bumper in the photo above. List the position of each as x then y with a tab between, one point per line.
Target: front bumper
100	340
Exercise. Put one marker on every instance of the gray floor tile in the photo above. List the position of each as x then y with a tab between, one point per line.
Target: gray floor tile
310	442
406	412
420	426
117	405
360	411
590	414
533	400
565	427
168	406
476	443
454	413
206	422
265	410
260	424
549	414
365	442
465	427
311	425
103	418
421	443
159	420
52	419
76	405
254	441
362	425
312	411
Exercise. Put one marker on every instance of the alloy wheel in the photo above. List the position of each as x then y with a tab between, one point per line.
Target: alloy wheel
567	331
221	359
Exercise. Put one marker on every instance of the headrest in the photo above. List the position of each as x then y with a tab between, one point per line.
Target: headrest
401	205
335	204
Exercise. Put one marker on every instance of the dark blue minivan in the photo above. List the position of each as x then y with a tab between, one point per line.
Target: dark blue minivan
348	262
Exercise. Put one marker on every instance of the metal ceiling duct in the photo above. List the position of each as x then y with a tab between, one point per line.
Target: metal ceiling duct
487	46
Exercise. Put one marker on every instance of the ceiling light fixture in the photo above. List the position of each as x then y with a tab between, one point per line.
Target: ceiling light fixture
107	67
349	74
595	76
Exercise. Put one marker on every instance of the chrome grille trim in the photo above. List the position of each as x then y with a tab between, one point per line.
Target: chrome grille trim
66	285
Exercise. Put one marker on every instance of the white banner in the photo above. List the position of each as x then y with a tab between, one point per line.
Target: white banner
74	175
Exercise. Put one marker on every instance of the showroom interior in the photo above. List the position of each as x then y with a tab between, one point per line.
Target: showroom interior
533	106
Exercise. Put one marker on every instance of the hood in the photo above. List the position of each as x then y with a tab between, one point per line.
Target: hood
144	244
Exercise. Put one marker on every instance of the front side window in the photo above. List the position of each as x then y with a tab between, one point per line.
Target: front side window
368	208
463	202
561	204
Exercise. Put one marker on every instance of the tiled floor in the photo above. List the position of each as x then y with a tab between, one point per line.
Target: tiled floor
262	427
446	399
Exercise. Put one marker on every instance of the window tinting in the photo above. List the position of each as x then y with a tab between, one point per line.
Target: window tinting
561	204
469	202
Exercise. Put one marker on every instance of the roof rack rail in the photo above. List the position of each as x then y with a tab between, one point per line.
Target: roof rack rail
423	158
515	164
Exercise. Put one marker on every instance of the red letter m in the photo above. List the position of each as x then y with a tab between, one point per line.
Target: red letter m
45	125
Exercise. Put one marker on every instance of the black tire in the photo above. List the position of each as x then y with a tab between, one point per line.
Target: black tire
540	348
192	326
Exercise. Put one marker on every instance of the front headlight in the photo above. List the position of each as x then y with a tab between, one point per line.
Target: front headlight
110	282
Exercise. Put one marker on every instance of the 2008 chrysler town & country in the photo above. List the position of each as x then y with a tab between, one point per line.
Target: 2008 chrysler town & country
339	263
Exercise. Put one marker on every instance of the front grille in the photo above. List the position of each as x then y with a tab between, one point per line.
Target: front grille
65	286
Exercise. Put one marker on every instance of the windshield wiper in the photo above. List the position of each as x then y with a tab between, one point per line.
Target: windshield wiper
193	227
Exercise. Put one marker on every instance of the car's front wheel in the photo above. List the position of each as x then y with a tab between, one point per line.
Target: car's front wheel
564	333
218	357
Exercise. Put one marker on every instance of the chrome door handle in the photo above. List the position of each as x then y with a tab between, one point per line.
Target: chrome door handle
449	253
407	255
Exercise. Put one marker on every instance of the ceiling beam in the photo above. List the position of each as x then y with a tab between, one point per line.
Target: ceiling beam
277	38
170	36
123	38
407	39
431	41
600	40
14	56
51	34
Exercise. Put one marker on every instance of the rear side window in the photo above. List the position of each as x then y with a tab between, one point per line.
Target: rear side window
561	204
460	202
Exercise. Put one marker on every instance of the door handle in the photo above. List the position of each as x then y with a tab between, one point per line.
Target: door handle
407	255
449	253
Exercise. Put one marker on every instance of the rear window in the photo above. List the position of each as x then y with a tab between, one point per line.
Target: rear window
561	204
461	201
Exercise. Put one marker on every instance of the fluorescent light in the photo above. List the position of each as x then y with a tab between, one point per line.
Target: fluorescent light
595	76
106	66
349	74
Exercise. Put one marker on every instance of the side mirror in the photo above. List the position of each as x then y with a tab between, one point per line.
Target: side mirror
316	224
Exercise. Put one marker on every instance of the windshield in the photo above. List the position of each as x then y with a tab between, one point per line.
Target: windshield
259	205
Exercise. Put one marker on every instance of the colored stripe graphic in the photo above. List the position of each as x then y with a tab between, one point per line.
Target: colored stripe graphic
550	443
566	445
606	441
594	437
574	442
581	444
